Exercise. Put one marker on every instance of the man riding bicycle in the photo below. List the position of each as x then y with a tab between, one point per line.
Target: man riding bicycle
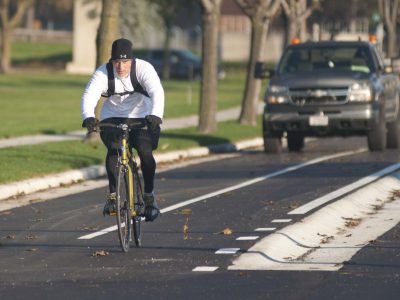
133	93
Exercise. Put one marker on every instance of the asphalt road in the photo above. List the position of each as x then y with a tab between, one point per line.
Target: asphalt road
42	257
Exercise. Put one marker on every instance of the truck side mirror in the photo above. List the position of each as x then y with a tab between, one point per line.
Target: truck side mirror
260	72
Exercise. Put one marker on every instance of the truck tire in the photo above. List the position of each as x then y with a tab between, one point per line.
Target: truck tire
272	145
272	140
295	141
393	133
377	136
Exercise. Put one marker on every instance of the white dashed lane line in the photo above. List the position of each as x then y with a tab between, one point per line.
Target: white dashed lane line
247	238
205	269
227	251
281	221
265	229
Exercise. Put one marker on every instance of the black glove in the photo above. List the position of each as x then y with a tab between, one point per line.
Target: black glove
91	124
153	122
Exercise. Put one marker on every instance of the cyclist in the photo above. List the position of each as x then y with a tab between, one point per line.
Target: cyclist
124	105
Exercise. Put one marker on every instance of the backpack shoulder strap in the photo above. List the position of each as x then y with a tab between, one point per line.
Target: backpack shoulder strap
111	82
135	83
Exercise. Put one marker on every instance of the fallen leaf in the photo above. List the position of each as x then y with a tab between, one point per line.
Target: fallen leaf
185	211
294	205
5	213
10	237
31	237
227	231
327	239
186	229
100	253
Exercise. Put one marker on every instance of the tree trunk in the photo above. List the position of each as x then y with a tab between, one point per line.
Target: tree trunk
392	38
389	10
248	114
167	49
208	94
5	66
108	30
7	24
292	27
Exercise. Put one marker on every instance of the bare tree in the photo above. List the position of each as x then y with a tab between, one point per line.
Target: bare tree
260	13
211	10
8	22
168	11
297	13
389	10
108	29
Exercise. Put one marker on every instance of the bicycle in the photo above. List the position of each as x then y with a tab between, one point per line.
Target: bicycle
129	192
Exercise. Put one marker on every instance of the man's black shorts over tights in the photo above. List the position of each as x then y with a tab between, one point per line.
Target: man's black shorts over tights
142	140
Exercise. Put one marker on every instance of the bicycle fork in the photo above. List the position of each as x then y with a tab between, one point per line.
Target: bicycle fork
125	162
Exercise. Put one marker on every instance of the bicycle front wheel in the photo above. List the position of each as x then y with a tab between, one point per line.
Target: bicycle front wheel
138	206
123	206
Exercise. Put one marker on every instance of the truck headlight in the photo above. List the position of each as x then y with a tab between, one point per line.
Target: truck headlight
277	94
360	92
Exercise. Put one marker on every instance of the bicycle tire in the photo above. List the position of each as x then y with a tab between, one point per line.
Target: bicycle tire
123	207
138	206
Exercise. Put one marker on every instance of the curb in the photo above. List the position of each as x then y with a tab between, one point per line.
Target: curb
15	189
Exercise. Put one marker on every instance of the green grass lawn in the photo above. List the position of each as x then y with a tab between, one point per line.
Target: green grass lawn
40	54
25	162
44	102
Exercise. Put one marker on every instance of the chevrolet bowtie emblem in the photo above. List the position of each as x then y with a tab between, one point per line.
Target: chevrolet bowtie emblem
123	55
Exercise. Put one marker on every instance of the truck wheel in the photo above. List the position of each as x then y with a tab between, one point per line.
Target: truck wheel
393	133
377	137
272	145
295	141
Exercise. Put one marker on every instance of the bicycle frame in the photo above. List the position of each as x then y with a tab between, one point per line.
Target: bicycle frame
126	156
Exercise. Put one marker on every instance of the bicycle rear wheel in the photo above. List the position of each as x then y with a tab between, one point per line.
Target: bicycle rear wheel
123	207
138	206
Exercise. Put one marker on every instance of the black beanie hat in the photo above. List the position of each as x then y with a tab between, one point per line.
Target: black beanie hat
121	49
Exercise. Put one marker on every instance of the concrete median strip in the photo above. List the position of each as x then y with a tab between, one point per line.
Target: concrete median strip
328	238
29	186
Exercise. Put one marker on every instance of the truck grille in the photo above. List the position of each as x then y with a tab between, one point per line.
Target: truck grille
324	96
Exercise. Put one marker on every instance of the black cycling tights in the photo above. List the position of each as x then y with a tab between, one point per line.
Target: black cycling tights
140	139
147	164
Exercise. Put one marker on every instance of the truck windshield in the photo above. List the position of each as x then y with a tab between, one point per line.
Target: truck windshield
326	59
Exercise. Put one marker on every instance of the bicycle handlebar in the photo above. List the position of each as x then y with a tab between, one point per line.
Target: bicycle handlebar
124	126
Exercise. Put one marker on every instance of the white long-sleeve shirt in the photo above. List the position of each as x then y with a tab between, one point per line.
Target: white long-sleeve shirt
134	105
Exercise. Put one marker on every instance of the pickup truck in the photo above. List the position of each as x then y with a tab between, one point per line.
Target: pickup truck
332	88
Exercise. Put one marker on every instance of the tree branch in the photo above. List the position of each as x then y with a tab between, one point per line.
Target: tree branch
286	8
22	5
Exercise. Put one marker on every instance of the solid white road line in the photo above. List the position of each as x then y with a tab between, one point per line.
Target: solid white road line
98	233
227	251
204	269
245	184
344	190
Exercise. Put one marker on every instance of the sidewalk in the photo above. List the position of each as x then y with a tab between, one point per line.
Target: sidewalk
55	180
